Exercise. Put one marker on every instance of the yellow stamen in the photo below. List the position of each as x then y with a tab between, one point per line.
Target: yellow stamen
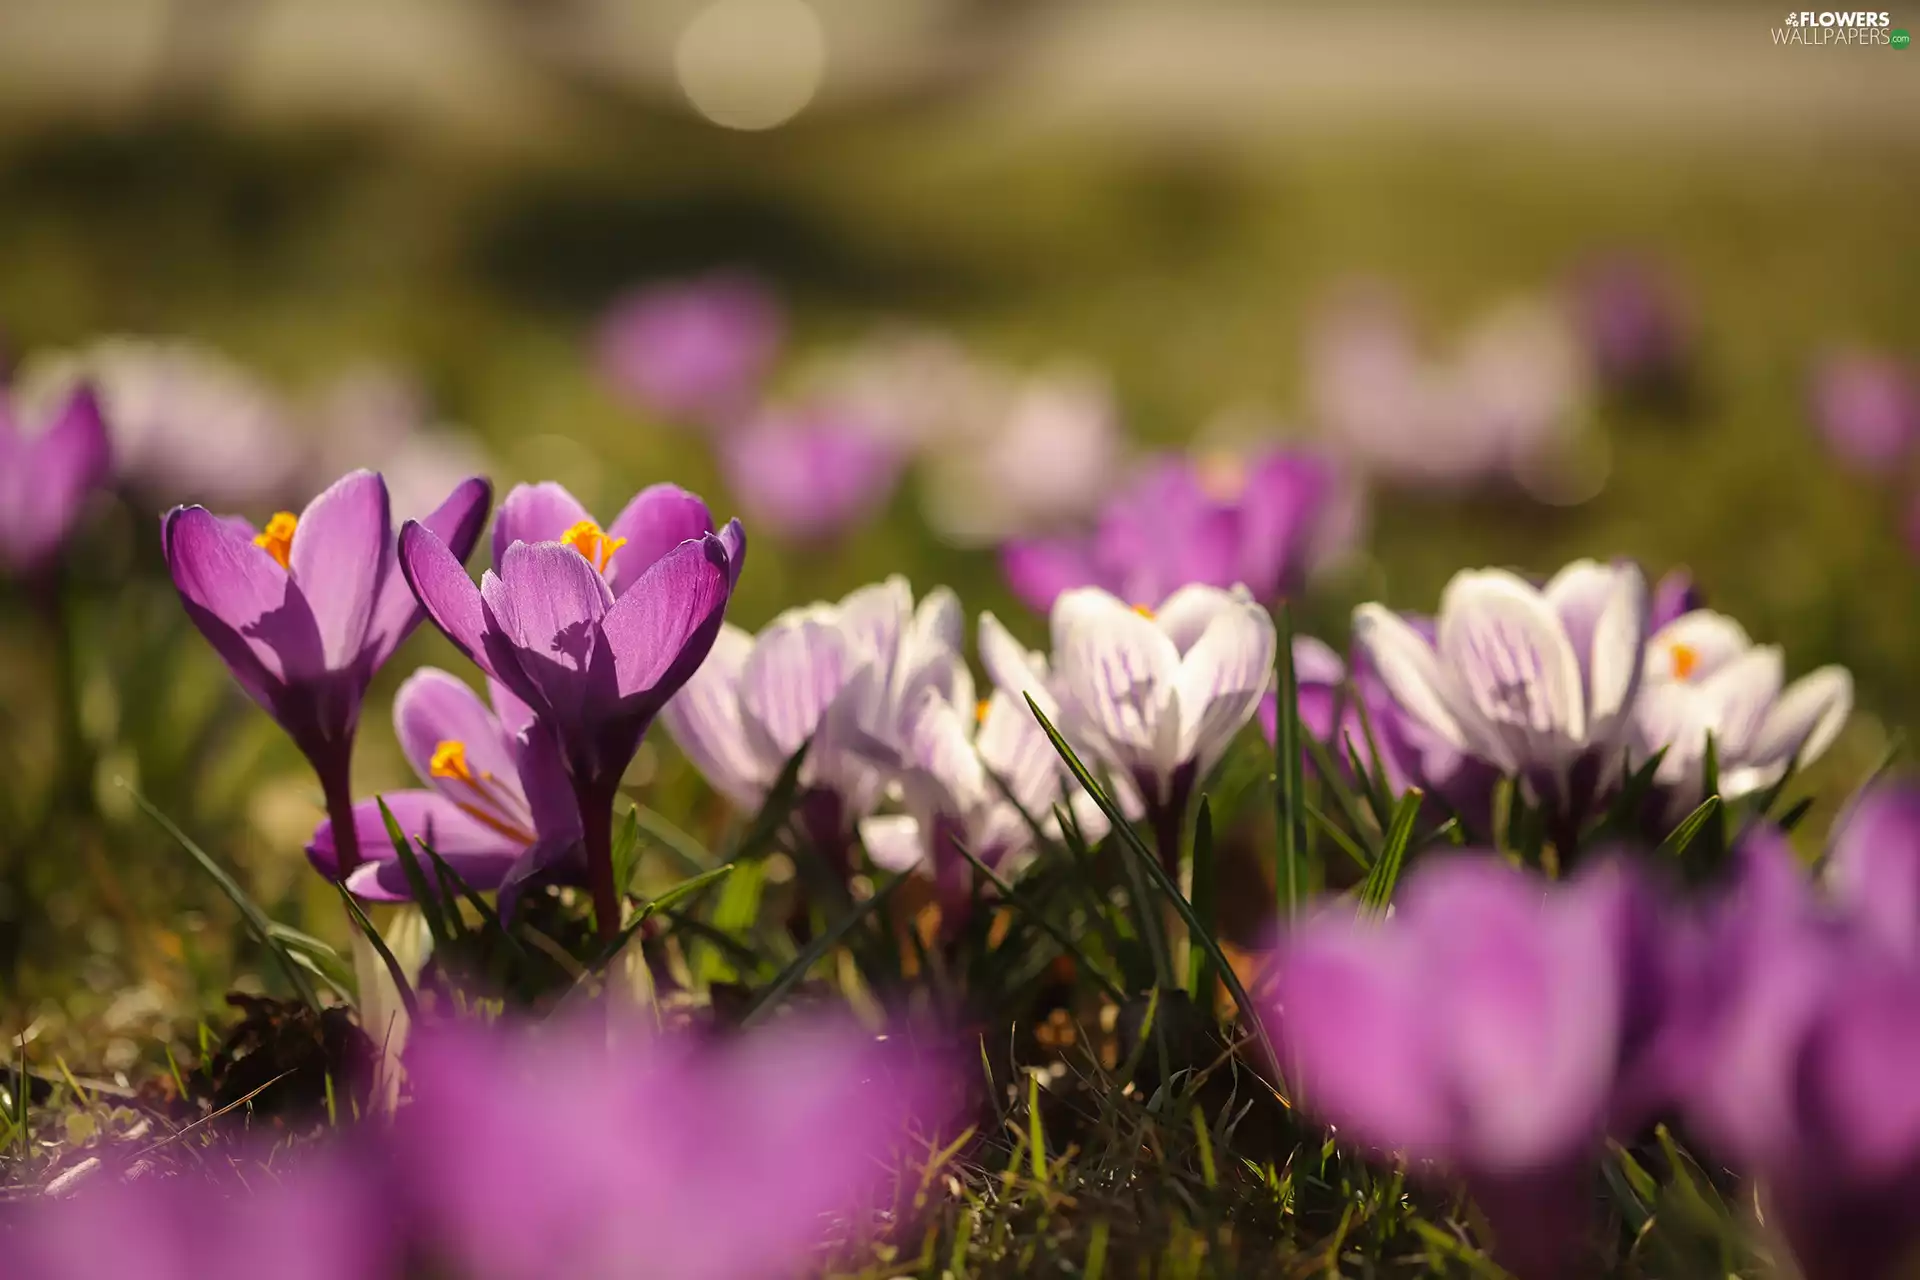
1144	610
590	541
980	709
1685	659
450	761
278	538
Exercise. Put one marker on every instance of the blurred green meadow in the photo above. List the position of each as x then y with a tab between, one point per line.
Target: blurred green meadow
1185	261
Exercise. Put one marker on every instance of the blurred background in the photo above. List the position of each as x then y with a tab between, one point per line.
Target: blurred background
898	280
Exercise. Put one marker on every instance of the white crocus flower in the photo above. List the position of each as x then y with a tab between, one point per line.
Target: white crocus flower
1156	696
845	675
1703	676
1534	681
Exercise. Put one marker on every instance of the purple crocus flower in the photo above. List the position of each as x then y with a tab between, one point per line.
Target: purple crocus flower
593	668
1484	1027
46	478
1867	407
1538	682
305	611
1154	696
497	805
1638	333
1264	524
808	472
648	1156
657	519
841	676
694	351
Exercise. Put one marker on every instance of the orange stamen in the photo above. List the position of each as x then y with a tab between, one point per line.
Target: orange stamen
980	709
278	538
1685	660
1144	610
590	541
450	761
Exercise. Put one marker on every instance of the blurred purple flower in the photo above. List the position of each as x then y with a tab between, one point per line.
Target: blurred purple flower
1041	456
1540	683
841	676
188	423
1637	329
1410	754
1213	522
809	473
304	612
1485	1026
1867	407
1505	405
694	351
1703	677
497	803
649	1157
1803	1066
595	670
310	1219
46	477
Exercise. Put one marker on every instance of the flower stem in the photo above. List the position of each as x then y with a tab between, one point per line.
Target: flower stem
596	823
338	789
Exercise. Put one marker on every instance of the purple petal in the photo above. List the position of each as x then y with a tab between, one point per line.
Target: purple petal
457	522
433	708
1675	594
548	603
1283	513
422	815
45	481
733	540
534	513
704	719
662	629
696	350
1039	569
808	474
339	558
660	518
1874	869
444	590
243	601
1868	408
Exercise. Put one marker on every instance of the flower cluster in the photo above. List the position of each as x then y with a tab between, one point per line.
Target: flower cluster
1503	1026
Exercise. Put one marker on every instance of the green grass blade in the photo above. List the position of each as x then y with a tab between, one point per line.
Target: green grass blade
1031	912
430	903
689	852
671	898
1377	891
1144	858
769	995
1683	837
1291	784
767	825
394	971
1200	972
256	919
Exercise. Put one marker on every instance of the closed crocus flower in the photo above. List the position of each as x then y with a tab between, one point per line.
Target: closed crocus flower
1867	408
593	668
841	676
1703	677
809	472
305	611
1264	523
46	476
1676	593
1638	331
1483	1027
1157	696
1538	682
497	803
693	351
